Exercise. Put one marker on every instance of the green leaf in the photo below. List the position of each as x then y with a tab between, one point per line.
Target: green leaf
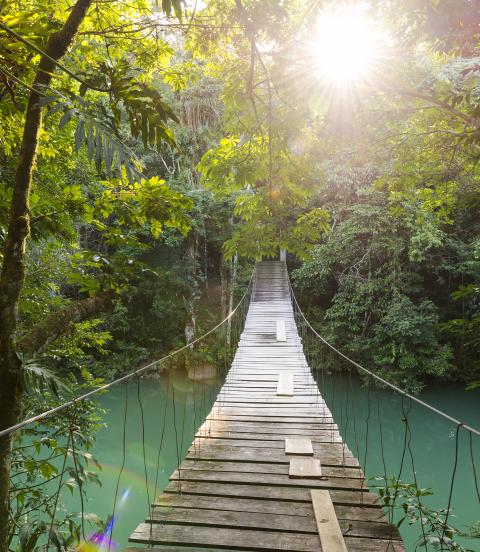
79	134
66	117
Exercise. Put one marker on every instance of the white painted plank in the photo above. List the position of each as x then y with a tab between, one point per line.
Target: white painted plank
285	385
328	527
305	467
281	332
298	445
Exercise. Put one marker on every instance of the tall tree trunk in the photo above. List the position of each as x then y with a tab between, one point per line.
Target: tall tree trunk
190	302
205	258
223	287
13	269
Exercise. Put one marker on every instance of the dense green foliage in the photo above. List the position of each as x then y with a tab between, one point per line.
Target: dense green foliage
175	141
394	278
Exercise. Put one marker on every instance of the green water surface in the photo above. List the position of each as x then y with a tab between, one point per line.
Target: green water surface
177	408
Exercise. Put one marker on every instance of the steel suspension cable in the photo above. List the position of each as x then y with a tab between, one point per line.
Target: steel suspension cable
380	379
128	376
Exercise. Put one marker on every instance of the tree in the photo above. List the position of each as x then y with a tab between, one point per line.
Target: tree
13	267
13	262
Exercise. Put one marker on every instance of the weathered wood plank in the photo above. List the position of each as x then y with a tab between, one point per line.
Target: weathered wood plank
329	531
300	494
225	538
289	522
249	540
294	442
298	445
281	332
250	478
250	454
323	437
274	428
305	467
255	467
166	501
284	386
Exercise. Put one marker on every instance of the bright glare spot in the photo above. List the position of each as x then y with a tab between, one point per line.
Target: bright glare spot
346	45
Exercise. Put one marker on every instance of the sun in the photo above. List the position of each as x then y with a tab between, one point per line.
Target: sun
345	46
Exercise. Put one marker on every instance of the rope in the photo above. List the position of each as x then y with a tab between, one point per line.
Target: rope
414	472
122	467
179	482
450	494
391	506
474	470
144	456
57	494
128	376
77	477
382	447
379	378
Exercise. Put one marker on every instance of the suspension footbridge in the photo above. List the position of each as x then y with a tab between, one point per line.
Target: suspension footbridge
268	469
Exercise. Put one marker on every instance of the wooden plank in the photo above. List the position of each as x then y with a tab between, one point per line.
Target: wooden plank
174	548
349	512
320	437
298	445
225	538
283	421
285	385
239	520
329	530
290	521
305	467
256	467
295	494
281	332
274	480
283	398
240	453
253	426
248	541
292	412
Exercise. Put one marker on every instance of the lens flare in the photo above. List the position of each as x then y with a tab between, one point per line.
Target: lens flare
124	497
346	45
100	541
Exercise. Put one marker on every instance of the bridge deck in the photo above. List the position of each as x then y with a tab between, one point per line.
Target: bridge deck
234	490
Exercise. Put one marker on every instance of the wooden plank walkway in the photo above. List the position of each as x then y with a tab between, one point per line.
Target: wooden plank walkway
236	490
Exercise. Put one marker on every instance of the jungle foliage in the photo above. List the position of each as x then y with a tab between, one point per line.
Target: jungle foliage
164	143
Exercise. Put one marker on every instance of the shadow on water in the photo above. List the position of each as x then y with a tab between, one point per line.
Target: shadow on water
370	417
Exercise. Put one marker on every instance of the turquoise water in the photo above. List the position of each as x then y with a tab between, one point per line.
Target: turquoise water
172	411
432	443
430	446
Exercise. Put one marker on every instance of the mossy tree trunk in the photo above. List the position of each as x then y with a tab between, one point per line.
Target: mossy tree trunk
13	269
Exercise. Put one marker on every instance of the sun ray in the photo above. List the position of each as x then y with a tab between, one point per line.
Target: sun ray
345	46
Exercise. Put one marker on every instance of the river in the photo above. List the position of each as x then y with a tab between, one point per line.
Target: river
183	404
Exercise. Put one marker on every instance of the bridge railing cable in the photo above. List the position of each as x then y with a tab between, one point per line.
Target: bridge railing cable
134	373
375	376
